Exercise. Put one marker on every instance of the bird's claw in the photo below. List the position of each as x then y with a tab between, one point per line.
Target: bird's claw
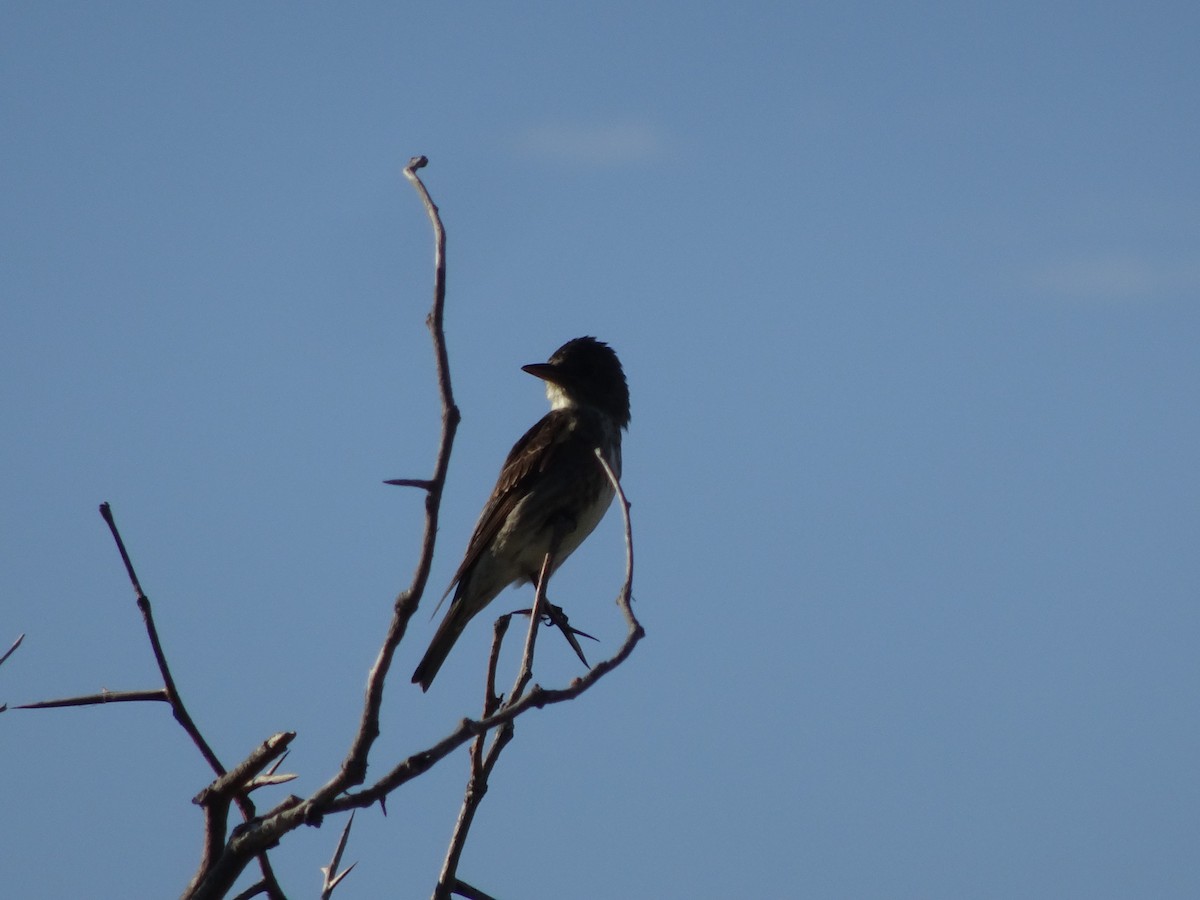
554	615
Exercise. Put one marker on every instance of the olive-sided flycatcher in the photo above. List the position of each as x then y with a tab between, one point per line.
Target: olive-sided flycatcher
551	484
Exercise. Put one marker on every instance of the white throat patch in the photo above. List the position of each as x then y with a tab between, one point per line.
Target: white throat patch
559	399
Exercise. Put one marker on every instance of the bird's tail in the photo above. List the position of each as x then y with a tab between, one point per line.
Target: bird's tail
439	648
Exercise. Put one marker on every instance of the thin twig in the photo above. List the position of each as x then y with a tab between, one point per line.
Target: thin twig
103	697
178	710
625	597
354	766
259	887
525	673
267	831
491	700
9	652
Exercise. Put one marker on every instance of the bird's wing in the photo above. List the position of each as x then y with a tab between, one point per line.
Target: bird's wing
532	454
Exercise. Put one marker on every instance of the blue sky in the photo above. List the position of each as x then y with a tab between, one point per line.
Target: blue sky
907	298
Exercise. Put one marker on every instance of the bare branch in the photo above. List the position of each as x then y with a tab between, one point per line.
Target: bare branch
143	603
625	597
11	650
178	709
465	890
255	837
232	786
7	653
235	780
259	887
226	853
102	697
354	766
491	700
525	673
168	693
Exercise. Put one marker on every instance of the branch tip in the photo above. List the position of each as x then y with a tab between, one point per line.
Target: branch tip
423	483
13	649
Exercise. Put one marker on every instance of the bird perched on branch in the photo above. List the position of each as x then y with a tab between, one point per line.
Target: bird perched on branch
551	487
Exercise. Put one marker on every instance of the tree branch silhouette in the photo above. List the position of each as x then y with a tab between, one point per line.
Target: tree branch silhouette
226	852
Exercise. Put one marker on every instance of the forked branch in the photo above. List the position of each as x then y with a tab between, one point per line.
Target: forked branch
227	852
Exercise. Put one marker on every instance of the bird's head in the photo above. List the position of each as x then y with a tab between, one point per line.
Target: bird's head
585	372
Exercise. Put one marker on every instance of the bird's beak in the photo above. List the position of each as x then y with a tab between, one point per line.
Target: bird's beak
544	371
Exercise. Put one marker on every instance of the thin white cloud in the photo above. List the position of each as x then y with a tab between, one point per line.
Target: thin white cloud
593	144
1122	277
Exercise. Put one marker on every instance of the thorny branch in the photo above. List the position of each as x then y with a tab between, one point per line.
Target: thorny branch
226	854
271	828
179	711
333	874
102	697
7	653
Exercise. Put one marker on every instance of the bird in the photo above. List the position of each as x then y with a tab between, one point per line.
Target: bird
551	487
